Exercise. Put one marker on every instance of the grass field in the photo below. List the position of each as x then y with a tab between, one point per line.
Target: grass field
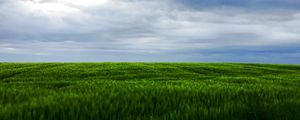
189	91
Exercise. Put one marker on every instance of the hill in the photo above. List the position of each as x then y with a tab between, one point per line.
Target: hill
37	91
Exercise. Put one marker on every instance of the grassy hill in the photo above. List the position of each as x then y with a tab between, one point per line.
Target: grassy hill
190	91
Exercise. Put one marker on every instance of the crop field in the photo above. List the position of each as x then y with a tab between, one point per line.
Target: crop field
185	91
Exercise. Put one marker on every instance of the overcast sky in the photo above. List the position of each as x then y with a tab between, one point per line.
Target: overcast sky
264	31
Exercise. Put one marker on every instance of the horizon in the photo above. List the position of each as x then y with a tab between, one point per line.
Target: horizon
260	31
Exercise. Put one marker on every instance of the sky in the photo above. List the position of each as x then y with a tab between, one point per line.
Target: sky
256	31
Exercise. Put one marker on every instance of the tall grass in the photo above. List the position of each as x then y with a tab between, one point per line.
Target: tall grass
52	91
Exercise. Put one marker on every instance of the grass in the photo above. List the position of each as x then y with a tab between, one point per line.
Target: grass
190	91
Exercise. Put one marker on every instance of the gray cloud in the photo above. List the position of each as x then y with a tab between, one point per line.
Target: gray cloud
141	29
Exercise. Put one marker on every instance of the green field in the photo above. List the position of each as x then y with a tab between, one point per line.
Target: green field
185	91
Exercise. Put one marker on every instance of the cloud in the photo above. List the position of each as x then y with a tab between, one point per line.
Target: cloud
244	4
142	29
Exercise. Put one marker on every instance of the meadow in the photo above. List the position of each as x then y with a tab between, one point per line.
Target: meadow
141	91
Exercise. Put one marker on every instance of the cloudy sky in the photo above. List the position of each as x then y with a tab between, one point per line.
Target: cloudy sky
264	31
